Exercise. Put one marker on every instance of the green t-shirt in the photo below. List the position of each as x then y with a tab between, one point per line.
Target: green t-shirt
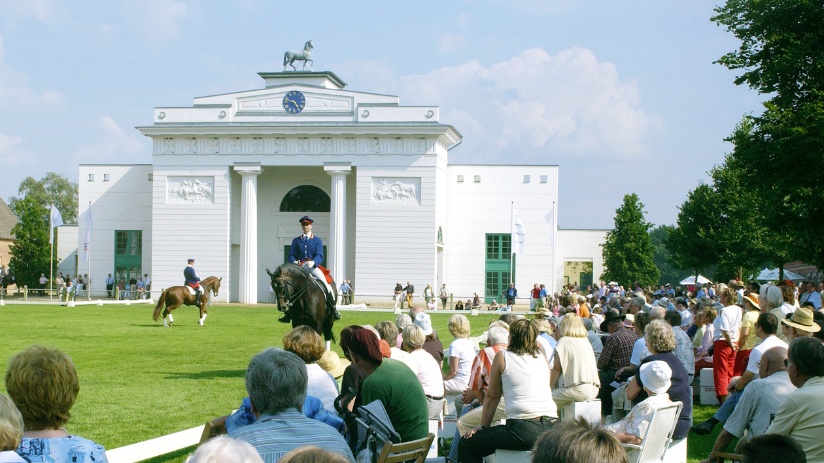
401	393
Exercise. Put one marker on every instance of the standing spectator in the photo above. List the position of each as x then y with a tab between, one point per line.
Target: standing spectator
428	294
109	285
43	383
511	295
398	293
60	285
444	295
410	293
534	295
344	293
147	285
811	295
727	329
43	280
351	292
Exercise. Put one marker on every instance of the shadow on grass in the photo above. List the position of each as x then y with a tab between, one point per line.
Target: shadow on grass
208	374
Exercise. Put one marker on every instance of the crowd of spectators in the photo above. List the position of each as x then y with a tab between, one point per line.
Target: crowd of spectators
636	352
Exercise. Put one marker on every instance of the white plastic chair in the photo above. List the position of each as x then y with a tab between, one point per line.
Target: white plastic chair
653	446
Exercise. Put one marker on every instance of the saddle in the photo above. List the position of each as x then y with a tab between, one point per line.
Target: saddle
191	290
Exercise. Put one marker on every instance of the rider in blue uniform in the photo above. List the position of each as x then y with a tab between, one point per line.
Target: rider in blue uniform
307	251
192	280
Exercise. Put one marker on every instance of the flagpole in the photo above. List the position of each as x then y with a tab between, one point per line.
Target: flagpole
89	255
512	243
51	257
552	234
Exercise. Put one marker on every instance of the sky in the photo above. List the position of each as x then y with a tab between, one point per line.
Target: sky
623	96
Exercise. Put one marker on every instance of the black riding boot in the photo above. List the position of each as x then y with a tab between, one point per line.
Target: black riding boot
330	303
285	318
197	299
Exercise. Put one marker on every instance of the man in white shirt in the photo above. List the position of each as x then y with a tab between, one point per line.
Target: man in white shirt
759	401
765	328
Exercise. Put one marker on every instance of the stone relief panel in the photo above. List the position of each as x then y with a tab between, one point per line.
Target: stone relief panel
213	145
372	145
168	146
191	146
396	190
325	145
280	145
349	145
420	145
235	145
190	190
397	145
294	145
303	145
257	145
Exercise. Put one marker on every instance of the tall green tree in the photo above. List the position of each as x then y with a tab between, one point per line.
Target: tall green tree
781	151
693	243
628	253
30	252
54	189
661	256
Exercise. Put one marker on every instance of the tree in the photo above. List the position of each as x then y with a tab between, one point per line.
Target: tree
628	254
781	151
661	256
693	243
30	252
52	189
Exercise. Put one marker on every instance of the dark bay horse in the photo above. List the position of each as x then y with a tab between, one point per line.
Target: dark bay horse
298	293
176	296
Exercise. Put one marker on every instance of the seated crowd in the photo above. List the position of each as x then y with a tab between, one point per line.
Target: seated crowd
634	353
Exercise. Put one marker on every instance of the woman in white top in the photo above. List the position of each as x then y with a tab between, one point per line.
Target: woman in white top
727	328
428	370
304	342
461	355
575	363
639	349
521	375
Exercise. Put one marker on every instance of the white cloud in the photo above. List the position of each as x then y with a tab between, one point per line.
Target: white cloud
534	103
156	20
450	43
15	88
113	145
8	154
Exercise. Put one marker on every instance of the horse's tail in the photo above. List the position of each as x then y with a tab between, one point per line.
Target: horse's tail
285	58
160	303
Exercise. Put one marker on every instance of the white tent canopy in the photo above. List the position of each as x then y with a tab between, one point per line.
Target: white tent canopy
690	280
772	275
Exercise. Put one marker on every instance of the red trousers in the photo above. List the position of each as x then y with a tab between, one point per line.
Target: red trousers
723	362
742	357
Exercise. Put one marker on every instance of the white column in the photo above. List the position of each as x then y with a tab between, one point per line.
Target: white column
337	226
247	277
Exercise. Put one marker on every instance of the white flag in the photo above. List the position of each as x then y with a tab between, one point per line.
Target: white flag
89	224
552	228
518	234
55	220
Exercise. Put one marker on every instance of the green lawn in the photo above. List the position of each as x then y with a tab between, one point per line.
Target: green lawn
139	380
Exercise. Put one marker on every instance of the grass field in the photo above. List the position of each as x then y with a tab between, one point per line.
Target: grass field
139	380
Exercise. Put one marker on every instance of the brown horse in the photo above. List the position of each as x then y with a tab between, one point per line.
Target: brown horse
176	296
298	293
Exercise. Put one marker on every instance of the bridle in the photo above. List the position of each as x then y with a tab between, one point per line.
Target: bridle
284	298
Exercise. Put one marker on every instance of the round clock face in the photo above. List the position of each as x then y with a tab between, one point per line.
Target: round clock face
294	101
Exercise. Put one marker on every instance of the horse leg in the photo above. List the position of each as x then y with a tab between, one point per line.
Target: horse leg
203	313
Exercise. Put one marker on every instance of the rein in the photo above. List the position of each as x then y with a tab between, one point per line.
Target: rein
289	300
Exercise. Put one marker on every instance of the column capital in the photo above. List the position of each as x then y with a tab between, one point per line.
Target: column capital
337	169
245	169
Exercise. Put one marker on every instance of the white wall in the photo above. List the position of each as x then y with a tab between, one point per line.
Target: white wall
580	245
121	203
477	208
66	244
198	231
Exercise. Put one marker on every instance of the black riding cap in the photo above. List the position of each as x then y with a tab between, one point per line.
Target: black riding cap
306	219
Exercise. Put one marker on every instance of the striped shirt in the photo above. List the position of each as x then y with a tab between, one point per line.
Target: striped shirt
481	366
275	436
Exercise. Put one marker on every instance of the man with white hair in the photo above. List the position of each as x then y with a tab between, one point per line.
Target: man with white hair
276	381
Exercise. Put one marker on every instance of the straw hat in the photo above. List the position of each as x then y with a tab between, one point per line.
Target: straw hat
802	319
333	364
753	299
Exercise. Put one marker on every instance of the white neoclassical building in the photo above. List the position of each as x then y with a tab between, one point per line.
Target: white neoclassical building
232	174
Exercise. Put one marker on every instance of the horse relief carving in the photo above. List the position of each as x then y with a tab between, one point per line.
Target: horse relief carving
395	191
190	190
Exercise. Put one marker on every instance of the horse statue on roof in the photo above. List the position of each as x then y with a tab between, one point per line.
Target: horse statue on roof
301	295
292	55
176	296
